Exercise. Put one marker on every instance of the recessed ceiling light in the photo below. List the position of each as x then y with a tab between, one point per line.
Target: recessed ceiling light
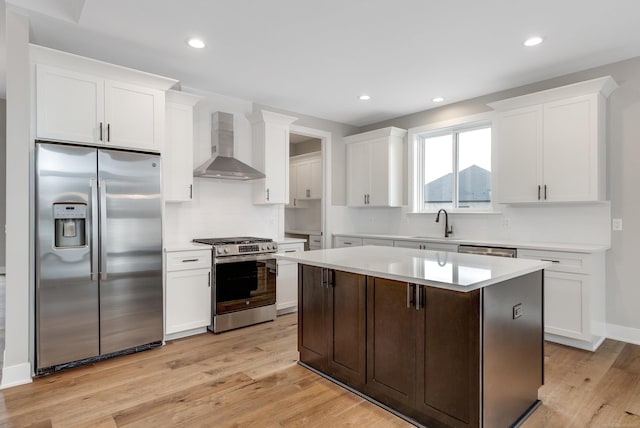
438	100
195	43
533	41
364	97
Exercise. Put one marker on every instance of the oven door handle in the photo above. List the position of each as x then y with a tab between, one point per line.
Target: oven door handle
242	258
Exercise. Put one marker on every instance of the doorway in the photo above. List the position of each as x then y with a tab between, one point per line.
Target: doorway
304	215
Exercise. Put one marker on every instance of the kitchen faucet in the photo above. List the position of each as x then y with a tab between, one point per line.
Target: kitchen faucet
448	230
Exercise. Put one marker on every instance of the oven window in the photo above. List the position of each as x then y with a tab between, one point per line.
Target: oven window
244	285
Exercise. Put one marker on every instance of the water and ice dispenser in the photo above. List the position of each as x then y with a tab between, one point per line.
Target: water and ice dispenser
70	224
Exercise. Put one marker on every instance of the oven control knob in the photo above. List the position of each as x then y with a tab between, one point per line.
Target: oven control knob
219	250
226	250
264	247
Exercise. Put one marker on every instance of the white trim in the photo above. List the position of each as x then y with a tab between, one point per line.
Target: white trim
576	343
450	123
19	374
325	137
623	333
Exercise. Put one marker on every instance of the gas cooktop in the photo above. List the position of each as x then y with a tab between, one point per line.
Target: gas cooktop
244	245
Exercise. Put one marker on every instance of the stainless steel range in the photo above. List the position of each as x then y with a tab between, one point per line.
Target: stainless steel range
244	281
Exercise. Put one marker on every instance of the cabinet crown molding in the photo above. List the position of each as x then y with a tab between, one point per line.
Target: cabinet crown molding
603	85
390	131
180	97
47	56
271	117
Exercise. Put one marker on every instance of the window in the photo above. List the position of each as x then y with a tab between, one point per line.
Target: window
453	168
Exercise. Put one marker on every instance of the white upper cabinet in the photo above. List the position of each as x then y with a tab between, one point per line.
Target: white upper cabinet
85	101
177	156
271	156
375	168
70	105
306	176
550	144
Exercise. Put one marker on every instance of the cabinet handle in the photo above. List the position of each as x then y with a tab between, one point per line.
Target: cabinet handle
267	194
294	202
209	279
545	192
190	191
365	199
409	295
538	192
290	251
108	132
552	261
368	199
348	243
308	193
100	131
418	296
190	260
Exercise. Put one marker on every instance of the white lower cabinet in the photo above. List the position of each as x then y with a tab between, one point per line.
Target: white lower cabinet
188	295
574	297
346	241
378	242
287	280
425	245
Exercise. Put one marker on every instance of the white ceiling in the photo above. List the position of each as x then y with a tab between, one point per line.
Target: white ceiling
316	57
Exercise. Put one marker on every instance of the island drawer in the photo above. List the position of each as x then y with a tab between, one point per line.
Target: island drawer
561	261
184	260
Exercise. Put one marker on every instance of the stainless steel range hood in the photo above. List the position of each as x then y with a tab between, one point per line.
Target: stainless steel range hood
224	165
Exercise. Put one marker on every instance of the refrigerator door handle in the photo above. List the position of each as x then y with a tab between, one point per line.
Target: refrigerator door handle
103	230
94	229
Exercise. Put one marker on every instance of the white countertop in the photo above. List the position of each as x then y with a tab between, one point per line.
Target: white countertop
551	246
290	241
453	271
303	232
185	246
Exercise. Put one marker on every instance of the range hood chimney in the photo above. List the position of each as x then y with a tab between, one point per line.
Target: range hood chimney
224	165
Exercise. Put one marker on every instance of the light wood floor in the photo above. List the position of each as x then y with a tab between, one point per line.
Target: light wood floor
249	378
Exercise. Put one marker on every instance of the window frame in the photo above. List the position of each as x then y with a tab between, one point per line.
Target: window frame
415	161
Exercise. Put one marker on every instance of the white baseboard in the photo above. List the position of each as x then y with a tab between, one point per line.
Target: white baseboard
575	343
16	375
623	334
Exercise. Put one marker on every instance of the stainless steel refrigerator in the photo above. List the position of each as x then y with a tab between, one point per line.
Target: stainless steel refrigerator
98	253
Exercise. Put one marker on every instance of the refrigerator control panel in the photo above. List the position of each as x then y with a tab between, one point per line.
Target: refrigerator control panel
66	210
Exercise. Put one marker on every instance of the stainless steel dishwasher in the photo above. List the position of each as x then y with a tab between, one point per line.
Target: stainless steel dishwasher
488	251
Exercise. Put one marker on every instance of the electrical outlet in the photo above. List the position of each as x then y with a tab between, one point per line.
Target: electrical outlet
517	311
617	224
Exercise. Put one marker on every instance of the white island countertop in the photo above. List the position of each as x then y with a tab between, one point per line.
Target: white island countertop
452	271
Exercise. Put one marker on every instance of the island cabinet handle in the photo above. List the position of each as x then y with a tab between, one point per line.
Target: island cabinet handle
549	260
418	296
409	295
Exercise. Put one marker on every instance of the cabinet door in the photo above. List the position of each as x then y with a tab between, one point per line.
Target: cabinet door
316	178
409	244
519	145
566	298
69	105
379	173
293	184
448	359
303	180
391	343
188	300
312	319
358	173
570	149
134	116
347	327
177	156
276	164
287	285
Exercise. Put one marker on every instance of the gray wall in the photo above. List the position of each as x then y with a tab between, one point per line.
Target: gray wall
304	147
623	174
3	179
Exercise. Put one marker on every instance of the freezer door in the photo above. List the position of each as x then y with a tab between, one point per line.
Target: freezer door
130	250
66	291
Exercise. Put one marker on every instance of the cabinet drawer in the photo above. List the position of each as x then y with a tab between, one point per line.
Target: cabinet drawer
315	240
183	260
378	242
346	241
561	261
